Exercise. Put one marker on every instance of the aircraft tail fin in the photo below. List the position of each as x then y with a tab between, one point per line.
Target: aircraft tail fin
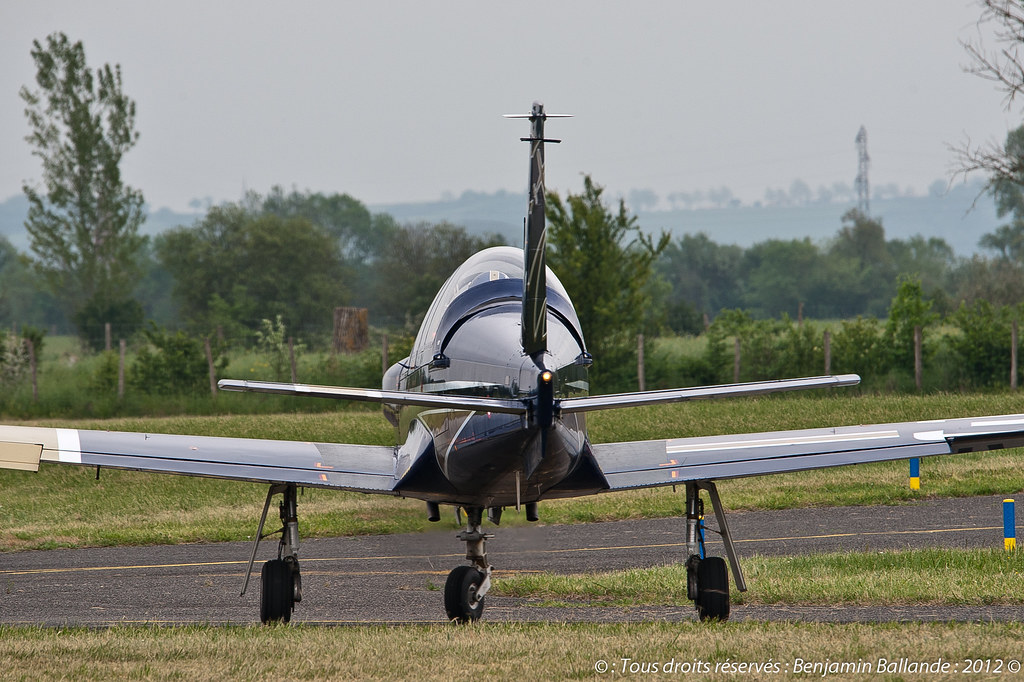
534	326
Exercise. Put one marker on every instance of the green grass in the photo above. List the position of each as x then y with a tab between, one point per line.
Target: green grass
941	577
505	651
77	383
66	506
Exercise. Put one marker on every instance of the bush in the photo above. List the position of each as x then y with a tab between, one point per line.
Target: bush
172	363
982	348
858	348
125	318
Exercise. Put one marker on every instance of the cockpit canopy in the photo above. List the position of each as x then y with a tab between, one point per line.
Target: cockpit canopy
492	275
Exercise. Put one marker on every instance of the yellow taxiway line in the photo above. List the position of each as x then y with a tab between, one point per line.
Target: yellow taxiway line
612	548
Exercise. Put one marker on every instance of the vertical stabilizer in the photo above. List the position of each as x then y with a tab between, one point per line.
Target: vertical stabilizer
534	327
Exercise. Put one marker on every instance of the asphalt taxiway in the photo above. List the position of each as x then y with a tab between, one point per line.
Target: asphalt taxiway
400	578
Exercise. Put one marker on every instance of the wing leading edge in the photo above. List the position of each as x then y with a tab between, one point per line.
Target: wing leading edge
644	464
454	401
362	468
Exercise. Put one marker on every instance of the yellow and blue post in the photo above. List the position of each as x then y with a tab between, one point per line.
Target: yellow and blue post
915	473
1009	526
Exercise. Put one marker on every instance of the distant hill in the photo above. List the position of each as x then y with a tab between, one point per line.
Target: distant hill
499	213
14	211
949	216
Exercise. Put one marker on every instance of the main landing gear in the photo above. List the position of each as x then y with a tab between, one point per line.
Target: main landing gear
707	578
281	583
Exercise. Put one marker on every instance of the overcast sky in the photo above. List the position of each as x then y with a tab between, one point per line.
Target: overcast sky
402	101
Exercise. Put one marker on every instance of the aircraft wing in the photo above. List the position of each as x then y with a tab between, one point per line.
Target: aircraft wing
676	395
643	464
453	401
422	399
363	468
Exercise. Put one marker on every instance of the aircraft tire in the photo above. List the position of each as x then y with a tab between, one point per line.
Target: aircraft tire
712	589
277	593
460	602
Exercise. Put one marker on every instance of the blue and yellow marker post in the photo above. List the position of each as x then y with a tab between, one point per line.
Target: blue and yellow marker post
915	473
1009	526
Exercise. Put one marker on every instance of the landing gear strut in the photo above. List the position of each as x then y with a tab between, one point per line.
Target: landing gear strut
280	580
466	585
707	578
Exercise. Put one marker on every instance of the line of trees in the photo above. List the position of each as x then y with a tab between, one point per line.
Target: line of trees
968	348
295	256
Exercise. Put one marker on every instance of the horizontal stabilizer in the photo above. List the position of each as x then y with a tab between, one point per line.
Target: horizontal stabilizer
444	401
675	395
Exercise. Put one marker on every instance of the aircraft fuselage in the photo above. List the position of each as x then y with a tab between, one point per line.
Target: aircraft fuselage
469	344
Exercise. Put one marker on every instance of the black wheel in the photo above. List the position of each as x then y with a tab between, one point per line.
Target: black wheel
712	589
278	593
460	600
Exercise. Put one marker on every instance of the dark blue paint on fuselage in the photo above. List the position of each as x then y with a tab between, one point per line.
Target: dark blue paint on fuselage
490	459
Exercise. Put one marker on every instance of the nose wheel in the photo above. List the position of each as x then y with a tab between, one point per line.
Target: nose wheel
466	585
462	599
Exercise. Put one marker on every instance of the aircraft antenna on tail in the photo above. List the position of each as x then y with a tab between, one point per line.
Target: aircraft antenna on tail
534	327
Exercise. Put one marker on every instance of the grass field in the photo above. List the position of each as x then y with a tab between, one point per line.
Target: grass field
66	506
730	651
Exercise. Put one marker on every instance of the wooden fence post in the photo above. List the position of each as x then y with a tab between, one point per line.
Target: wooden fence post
107	336
826	344
640	362
32	365
122	346
918	363
736	361
1013	356
209	364
291	359
384	364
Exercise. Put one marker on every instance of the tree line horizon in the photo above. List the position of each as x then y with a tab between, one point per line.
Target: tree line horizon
295	256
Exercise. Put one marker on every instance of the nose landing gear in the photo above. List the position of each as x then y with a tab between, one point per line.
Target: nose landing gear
466	586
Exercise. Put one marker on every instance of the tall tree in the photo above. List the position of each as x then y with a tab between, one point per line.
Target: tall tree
409	271
604	261
1008	240
703	275
1004	66
83	223
239	265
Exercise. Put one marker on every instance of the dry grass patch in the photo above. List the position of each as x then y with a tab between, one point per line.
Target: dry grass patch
484	651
